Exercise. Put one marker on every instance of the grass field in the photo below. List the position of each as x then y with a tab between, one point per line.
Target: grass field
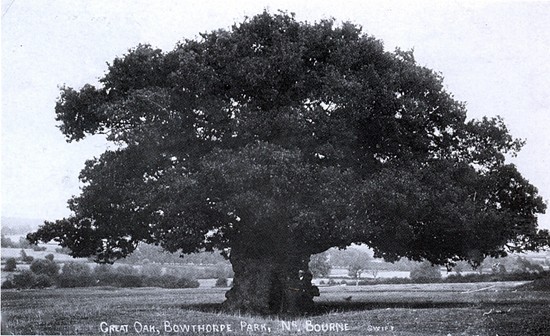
427	309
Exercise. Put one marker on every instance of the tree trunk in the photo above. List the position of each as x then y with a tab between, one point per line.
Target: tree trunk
277	283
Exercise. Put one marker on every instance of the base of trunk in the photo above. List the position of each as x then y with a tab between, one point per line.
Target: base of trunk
270	287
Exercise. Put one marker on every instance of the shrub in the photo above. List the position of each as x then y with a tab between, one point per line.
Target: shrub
425	272
163	281
42	280
8	284
44	266
38	248
24	243
223	271
128	280
202	272
526	265
541	284
187	283
76	268
11	265
24	279
170	281
49	257
76	274
103	268
151	270
331	282
105	279
498	268
63	250
6	242
28	279
26	258
126	269
221	282
152	281
75	280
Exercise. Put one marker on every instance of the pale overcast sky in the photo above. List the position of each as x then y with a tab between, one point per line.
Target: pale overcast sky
493	55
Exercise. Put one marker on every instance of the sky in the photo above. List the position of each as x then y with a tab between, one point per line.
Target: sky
493	56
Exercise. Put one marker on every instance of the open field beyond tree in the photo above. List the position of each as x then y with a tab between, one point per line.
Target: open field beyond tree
499	308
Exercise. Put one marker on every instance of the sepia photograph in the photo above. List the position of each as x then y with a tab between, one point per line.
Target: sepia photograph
275	167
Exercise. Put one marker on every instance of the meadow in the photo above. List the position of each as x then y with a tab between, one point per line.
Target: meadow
496	308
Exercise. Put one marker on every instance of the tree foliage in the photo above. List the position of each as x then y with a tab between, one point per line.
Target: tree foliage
319	265
11	265
45	266
284	138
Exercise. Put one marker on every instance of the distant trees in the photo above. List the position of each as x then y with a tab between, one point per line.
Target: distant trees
524	265
355	260
6	242
319	265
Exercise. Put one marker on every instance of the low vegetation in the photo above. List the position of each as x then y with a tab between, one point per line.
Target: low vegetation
45	273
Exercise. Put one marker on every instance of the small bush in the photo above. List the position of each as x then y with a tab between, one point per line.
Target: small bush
331	282
541	284
37	248
24	243
103	268
153	281
151	270
7	242
44	266
26	258
49	257
105	279
75	280
11	265
425	272
42	281
8	284
165	281
170	281
221	282
63	250
28	279
24	279
187	283
76	268
129	280
126	269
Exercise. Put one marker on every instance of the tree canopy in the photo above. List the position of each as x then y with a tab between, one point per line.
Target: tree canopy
279	137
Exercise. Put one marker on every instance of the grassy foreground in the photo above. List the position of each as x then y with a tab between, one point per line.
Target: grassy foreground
428	309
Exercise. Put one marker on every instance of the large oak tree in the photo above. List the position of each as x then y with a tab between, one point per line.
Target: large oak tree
277	139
